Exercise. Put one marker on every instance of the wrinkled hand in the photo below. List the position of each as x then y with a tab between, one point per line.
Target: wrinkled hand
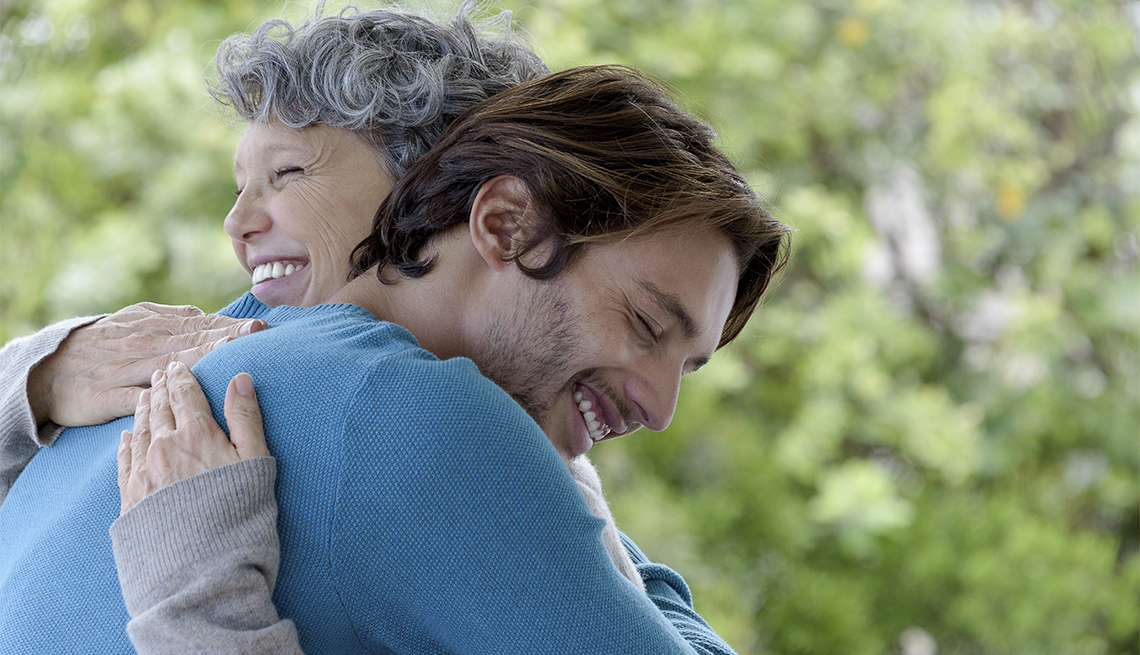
590	485
175	435
99	370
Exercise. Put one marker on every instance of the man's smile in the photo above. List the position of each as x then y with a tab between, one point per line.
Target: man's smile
598	429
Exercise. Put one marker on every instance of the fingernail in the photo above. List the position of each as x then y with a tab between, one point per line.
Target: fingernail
170	367
156	377
144	397
124	439
221	342
244	385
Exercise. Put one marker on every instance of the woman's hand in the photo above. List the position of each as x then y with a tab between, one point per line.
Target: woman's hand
99	370
175	435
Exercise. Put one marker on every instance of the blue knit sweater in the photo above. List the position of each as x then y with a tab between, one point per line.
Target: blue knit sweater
421	511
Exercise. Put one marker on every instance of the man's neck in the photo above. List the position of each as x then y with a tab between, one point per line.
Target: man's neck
433	313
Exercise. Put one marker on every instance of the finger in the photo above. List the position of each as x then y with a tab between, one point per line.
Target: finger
184	338
145	343
159	353
120	401
123	457
124	460
148	314
149	352
235	326
171	310
191	356
161	418
131	315
140	439
243	416
187	402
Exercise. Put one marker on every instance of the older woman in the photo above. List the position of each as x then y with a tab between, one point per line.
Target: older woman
401	78
313	165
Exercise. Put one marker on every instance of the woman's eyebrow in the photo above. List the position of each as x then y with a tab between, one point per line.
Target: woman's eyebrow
275	148
672	305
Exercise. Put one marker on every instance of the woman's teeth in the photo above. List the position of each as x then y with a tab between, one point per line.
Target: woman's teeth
596	428
273	271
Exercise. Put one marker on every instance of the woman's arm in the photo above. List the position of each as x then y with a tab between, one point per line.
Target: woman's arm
89	370
198	553
98	371
21	434
198	561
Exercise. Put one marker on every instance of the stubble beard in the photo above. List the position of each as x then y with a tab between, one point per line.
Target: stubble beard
528	353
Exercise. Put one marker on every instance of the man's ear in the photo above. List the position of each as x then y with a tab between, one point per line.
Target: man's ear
500	216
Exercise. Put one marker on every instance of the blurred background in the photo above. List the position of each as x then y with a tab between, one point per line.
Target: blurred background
927	441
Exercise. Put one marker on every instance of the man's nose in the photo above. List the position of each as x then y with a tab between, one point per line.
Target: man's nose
246	219
653	395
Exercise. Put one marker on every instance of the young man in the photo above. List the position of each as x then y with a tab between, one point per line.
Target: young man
580	239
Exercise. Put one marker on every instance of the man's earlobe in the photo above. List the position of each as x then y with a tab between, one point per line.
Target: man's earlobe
500	216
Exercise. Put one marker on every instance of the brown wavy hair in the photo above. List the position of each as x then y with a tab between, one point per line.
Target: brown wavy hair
606	155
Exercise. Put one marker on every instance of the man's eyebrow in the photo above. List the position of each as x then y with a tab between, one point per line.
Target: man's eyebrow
672	304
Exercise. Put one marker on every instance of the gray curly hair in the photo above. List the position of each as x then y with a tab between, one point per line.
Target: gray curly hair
394	77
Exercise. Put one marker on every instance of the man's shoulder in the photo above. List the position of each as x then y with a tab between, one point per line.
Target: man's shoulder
419	379
381	360
445	406
313	351
438	429
334	330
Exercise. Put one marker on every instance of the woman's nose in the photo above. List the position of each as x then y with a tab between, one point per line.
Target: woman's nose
246	219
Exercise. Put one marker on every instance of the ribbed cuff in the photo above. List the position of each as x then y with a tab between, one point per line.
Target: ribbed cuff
220	511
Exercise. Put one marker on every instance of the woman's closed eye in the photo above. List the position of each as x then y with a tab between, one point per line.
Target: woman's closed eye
276	176
282	172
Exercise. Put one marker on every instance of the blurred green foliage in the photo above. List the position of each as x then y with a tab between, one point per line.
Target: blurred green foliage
929	438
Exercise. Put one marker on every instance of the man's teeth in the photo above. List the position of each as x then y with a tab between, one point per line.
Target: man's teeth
597	430
273	271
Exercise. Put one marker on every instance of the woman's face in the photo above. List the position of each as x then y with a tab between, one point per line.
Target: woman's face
305	198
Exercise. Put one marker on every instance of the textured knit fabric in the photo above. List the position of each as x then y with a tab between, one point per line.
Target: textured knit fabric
20	437
420	511
672	597
197	562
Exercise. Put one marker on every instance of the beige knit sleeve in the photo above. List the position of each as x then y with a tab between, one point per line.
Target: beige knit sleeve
20	437
198	561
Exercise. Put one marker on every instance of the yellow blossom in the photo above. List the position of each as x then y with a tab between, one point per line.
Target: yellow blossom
1010	201
853	32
